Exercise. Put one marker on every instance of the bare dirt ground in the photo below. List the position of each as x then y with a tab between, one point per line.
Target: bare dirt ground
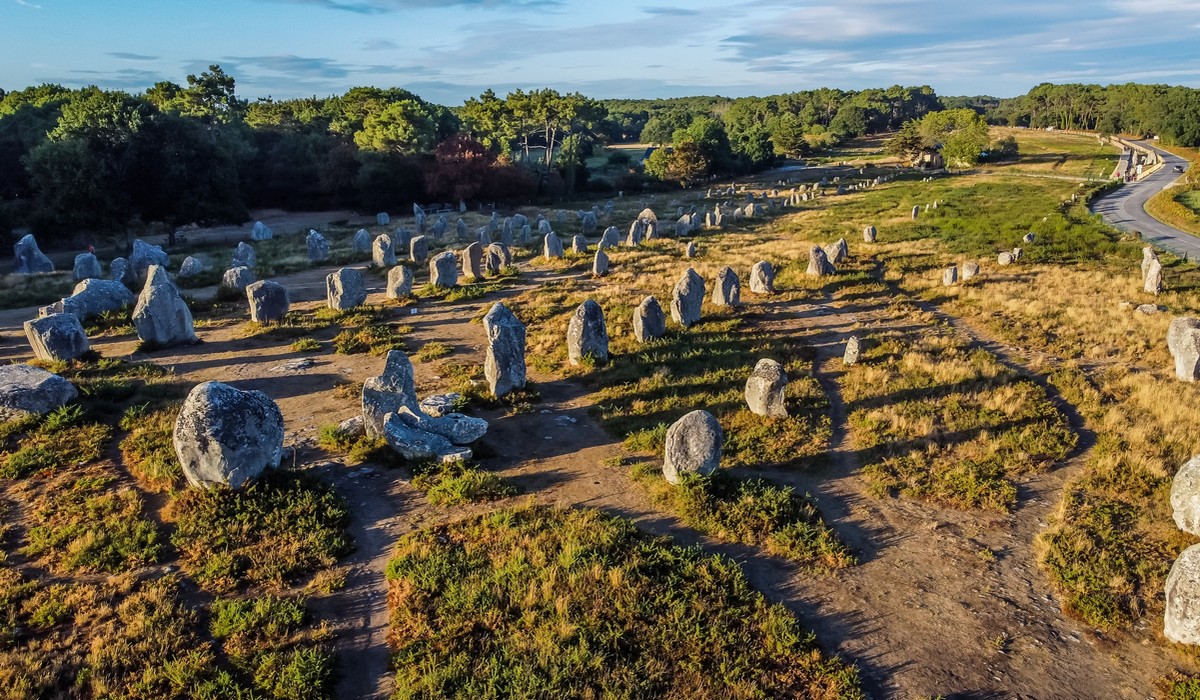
926	612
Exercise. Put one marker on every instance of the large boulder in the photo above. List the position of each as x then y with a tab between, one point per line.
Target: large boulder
93	297
693	446
472	261
388	392
144	255
269	301
649	321
552	246
399	282
1185	497
86	267
28	258
227	437
261	232
766	388
383	251
161	317
762	278
244	256
57	337
504	363
1181	618
418	445
238	278
1183	340
687	299
587	335
728	290
26	390
345	289
443	270
317	247
818	263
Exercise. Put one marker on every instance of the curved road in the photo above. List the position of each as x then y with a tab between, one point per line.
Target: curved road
1125	208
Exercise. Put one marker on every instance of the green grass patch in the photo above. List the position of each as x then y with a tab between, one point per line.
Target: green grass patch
542	603
19	291
432	351
149	449
358	448
306	345
377	339
61	439
459	482
267	640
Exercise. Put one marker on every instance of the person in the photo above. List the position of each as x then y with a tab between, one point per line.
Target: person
91	249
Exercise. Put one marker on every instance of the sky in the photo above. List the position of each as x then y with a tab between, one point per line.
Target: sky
449	50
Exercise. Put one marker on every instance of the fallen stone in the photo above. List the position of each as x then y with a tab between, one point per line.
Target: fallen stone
26	390
93	297
388	392
225	436
455	427
420	446
766	388
693	447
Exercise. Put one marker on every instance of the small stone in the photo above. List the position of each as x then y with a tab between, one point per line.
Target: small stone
649	321
579	245
690	251
587	334
950	276
853	350
190	267
244	256
600	263
345	289
837	251
119	270
1004	259
869	234
1028	238
766	388
969	270
693	446
382	219
440	404
611	238
317	246
57	337
261	232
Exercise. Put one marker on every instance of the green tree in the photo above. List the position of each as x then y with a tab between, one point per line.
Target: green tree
406	127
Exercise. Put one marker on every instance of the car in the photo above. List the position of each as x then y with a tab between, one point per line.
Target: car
1178	168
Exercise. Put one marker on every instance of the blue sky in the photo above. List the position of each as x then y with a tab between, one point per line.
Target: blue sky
448	50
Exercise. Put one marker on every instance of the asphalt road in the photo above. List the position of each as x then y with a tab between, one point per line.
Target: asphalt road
1125	208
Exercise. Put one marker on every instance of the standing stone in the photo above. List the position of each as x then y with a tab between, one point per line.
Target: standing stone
693	446
57	337
383	252
552	247
837	251
190	267
588	223
161	317
269	301
439	227
525	237
579	245
498	258
950	276
1017	253
543	225
587	336
1028	238
649	321
762	278
600	263
853	350
361	242
443	270
1004	259
969	270
766	388
651	231
93	297
636	230
1153	283
1185	497
611	238
237	278
1183	340
227	437
86	267
119	270
27	391
28	258
690	250
647	215
728	290
401	240
916	211
1148	256
345	289
382	219
399	282
504	364
818	263
418	249
144	255
318	247
261	232
687	299
1181	618
869	234
244	256
472	261
389	392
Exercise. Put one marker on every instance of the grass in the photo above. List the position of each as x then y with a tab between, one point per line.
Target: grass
754	512
459	482
272	533
357	449
61	439
377	339
535	603
306	345
149	449
19	291
1064	155
431	351
266	639
1177	207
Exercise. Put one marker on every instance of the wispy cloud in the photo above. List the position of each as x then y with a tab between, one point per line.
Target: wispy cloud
377	7
132	56
380	45
25	3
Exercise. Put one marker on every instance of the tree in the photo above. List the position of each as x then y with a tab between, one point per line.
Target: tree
210	97
684	163
405	127
460	170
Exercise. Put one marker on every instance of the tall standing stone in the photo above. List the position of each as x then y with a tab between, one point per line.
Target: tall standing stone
418	249
552	246
399	282
950	276
649	321
853	351
687	299
600	263
161	317
28	258
579	245
317	247
383	252
587	335
636	231
693	446
690	251
1185	497
869	234
472	261
818	263
916	211
504	363
443	270
728	290
268	300
762	278
345	289
1183	340
611	238
1153	282
766	389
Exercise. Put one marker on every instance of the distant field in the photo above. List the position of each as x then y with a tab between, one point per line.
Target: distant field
1057	153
